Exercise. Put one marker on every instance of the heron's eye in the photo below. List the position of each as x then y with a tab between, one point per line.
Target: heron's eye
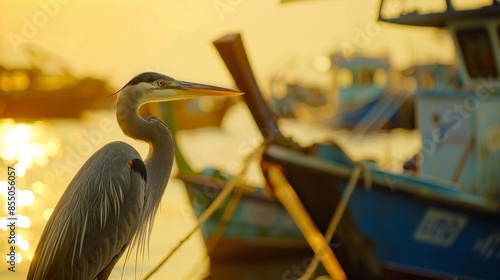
160	83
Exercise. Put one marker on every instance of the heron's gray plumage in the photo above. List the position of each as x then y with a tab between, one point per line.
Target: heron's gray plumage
107	195
112	201
97	195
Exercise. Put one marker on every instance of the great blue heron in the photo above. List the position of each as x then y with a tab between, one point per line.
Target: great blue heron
114	196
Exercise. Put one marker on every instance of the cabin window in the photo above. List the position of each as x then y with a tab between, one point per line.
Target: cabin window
5	83
20	81
345	77
427	81
365	78
478	54
380	77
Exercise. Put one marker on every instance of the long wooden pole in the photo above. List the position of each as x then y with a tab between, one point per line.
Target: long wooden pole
287	196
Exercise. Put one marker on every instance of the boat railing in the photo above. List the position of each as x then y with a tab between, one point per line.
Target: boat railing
433	13
392	9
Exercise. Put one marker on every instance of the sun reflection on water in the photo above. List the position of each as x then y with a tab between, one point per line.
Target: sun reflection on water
25	146
46	156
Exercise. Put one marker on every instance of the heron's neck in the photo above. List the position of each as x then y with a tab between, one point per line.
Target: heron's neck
130	122
161	147
158	165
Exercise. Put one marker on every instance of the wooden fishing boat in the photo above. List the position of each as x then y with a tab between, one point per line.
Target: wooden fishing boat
421	224
35	94
438	223
47	89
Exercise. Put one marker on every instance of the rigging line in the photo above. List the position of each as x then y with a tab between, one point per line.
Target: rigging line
334	222
226	216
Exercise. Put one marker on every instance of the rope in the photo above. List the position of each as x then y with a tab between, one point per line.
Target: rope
339	212
292	203
211	209
226	216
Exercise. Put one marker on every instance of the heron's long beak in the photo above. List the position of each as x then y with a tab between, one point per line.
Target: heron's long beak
192	90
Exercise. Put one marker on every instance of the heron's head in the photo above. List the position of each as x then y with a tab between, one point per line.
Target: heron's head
155	87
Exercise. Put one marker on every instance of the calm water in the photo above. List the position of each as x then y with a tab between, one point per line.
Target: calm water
52	152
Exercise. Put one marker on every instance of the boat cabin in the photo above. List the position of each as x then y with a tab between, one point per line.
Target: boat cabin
460	127
360	79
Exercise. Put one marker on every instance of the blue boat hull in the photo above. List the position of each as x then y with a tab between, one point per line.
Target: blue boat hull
413	224
423	224
427	236
257	220
409	233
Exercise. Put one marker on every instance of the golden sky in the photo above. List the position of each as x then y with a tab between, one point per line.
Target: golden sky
118	39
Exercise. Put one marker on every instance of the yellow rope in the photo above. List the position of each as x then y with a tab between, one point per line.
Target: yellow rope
211	209
226	216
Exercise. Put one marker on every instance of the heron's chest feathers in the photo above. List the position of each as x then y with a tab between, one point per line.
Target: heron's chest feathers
106	181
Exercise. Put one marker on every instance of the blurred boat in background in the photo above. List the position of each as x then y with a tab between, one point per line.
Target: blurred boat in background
201	112
47	89
367	98
363	97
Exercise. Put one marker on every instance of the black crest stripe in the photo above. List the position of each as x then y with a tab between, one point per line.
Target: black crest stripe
147	77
